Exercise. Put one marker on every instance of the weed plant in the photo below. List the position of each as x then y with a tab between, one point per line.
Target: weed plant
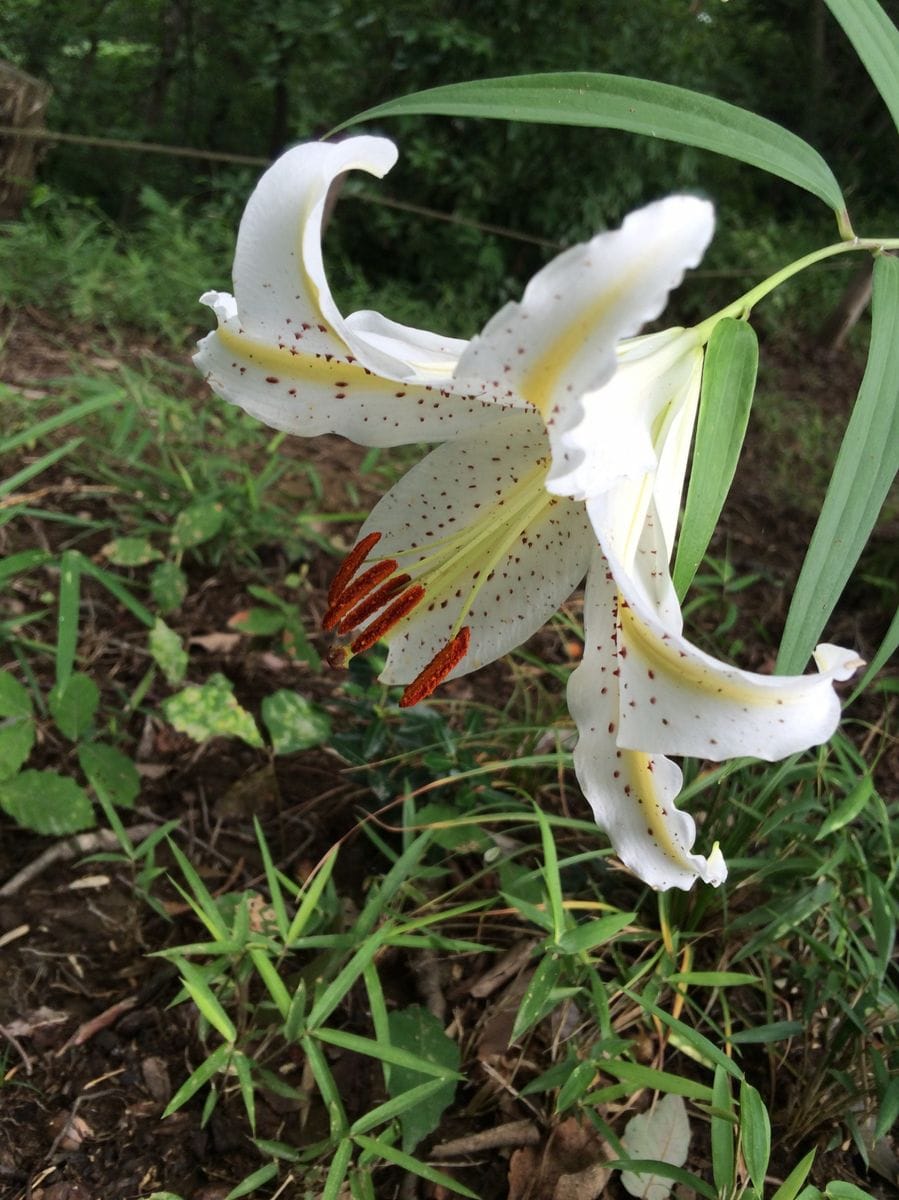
769	1007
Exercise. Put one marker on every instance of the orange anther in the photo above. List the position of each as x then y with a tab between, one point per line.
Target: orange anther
393	613
437	669
358	590
350	565
372	604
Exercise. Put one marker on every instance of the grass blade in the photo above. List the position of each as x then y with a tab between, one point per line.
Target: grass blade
634	105
728	385
876	42
67	627
865	468
385	1053
407	1162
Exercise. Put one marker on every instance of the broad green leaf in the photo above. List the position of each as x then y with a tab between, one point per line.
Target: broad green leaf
533	1002
74	705
274	983
722	1132
402	1103
337	1170
728	385
865	468
130	552
418	1031
216	1062
713	978
390	1154
115	587
663	1170
760	1035
594	933
755	1134
876	42
47	803
639	1076
111	770
168	586
207	1002
845	1191
848	808
258	622
67	628
66	416
211	710
196	525
250	1184
577	1081
294	722
16	725
885	652
789	1189
395	1055
663	1133
168	652
635	105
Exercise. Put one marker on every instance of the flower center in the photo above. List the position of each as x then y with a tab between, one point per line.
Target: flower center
370	599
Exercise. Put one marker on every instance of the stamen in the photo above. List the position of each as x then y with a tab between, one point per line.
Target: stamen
350	565
358	590
388	618
437	669
371	604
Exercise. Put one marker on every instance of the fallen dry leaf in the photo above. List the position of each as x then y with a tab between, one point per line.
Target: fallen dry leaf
215	643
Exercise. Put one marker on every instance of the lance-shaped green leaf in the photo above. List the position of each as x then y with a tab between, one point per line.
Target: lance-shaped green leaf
728	384
635	105
876	41
866	466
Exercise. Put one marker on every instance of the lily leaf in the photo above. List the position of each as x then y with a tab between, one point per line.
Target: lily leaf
876	42
865	468
635	105
728	385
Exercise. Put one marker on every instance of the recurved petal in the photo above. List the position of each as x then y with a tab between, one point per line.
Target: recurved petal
473	524
632	793
559	342
680	700
284	352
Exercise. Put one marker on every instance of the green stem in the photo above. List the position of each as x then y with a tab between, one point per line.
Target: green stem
742	306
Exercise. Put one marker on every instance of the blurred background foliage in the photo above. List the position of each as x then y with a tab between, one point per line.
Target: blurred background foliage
208	74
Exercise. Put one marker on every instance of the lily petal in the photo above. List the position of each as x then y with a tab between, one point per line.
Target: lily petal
558	345
284	352
677	699
631	793
474	526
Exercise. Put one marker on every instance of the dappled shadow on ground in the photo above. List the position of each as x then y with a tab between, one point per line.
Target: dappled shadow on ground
91	1050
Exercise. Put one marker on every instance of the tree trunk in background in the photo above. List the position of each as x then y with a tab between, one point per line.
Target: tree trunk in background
845	316
23	102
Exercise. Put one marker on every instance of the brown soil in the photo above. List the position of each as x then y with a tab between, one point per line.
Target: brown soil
89	1047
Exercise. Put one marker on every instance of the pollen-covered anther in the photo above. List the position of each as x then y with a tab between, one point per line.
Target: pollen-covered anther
357	591
437	669
351	565
392	614
372	603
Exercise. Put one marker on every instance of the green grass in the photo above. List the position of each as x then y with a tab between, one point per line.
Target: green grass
771	999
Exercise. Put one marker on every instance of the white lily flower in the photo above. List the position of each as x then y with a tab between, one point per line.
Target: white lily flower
564	444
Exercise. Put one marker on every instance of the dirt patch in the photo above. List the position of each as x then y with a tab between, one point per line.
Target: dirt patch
90	1049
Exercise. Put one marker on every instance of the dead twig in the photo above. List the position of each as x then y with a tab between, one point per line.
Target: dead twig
514	1133
73	847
